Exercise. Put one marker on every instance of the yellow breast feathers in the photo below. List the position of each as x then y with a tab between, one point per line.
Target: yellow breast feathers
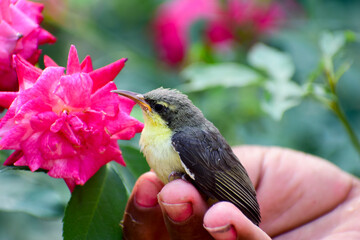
155	143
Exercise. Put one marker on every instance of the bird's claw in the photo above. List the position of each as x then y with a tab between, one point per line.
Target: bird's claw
176	175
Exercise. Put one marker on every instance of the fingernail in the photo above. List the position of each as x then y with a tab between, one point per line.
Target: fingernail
226	232
177	212
146	194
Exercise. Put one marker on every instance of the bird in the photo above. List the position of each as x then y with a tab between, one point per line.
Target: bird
178	141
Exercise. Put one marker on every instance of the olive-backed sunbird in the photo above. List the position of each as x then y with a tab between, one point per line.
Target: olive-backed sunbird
178	140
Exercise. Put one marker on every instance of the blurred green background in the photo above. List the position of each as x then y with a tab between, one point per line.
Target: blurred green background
113	29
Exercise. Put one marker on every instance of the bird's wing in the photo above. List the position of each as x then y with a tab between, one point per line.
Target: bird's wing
215	169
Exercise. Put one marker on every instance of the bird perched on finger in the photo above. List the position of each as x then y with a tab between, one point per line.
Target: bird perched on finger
178	140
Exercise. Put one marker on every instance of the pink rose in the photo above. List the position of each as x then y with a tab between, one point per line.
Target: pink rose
172	24
69	123
226	23
20	34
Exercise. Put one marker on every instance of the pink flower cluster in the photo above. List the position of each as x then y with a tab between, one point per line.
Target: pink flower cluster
20	34
69	123
226	22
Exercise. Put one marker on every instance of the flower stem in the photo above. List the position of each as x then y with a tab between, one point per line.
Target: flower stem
354	140
335	106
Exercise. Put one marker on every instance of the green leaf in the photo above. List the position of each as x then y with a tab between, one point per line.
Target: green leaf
350	36
96	209
281	96
341	70
204	76
125	175
32	193
4	154
276	64
281	93
320	92
331	43
135	160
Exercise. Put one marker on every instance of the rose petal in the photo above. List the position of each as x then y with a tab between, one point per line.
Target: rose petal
54	146
86	65
21	22
106	74
15	156
43	121
45	37
105	101
32	155
6	98
32	9
48	62
20	34
27	73
73	64
75	90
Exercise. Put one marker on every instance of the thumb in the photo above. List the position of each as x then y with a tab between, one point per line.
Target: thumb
225	221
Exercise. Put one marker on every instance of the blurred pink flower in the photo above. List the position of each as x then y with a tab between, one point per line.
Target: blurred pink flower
21	34
226	22
172	23
261	17
69	123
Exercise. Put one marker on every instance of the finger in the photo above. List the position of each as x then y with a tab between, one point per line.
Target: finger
183	209
224	221
143	217
293	188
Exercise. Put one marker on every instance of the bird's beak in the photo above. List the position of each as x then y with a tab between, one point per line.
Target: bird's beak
138	98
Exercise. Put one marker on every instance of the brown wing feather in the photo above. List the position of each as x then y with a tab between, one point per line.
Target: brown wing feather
218	172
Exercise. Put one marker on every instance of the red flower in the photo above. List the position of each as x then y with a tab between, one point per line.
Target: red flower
20	34
172	23
68	123
261	18
226	23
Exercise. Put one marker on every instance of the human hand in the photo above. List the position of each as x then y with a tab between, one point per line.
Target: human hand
300	197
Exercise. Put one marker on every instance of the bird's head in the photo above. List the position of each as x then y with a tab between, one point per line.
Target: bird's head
166	106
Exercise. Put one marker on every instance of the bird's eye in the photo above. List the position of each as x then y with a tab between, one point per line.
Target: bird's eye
159	107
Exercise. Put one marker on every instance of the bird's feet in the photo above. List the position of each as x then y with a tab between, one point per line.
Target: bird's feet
177	175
